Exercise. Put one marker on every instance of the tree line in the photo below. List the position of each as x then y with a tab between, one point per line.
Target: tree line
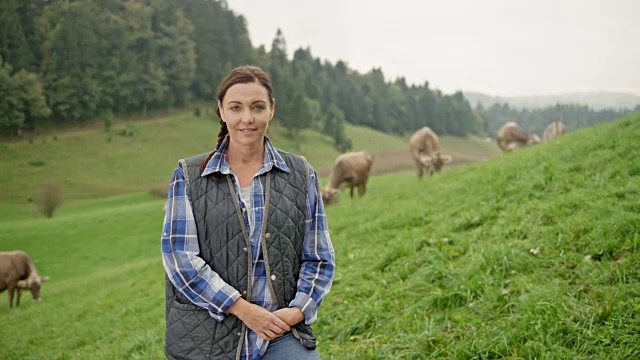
71	62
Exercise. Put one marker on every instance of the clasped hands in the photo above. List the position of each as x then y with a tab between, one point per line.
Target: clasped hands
268	325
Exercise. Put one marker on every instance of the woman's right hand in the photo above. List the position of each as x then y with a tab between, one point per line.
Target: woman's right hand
264	323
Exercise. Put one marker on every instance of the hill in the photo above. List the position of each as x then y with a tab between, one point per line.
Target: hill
92	164
595	100
534	254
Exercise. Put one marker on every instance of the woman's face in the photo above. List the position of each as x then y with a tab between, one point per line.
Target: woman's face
246	110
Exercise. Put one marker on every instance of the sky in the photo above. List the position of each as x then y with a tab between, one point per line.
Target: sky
497	47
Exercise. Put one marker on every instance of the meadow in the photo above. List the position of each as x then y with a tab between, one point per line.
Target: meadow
533	254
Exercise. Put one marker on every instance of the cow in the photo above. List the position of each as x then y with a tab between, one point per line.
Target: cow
18	272
424	146
350	170
511	136
553	130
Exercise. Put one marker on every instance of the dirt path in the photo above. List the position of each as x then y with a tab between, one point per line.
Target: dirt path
397	161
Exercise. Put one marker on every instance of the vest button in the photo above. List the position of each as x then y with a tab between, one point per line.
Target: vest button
244	249
273	277
239	333
244	292
267	235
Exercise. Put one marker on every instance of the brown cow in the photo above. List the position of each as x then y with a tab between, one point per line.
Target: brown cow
425	150
352	170
511	136
553	130
18	272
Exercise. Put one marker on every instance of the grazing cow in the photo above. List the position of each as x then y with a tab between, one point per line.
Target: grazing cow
553	130
511	136
18	272
352	170
425	150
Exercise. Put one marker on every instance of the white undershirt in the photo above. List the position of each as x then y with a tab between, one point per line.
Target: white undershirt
245	194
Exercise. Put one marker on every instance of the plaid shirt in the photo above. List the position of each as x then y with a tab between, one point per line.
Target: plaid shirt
204	287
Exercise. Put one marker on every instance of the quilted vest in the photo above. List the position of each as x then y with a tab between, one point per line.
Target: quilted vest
224	242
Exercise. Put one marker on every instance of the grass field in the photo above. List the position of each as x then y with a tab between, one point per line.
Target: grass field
87	166
534	254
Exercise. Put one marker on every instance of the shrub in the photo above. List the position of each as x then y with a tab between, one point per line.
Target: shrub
49	199
130	130
38	163
108	121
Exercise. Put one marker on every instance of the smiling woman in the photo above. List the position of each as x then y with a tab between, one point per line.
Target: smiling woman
245	107
245	112
245	242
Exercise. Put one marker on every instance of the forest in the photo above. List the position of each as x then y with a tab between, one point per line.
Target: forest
73	62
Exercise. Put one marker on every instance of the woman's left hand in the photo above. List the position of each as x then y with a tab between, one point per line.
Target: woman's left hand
291	315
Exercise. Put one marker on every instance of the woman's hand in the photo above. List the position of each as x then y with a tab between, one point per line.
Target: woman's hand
264	323
291	315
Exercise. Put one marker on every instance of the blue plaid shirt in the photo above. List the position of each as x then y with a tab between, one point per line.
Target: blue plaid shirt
204	287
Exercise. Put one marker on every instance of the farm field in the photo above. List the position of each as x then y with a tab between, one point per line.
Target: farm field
533	254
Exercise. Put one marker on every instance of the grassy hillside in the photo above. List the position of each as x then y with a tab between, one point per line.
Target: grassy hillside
105	296
533	254
91	164
86	165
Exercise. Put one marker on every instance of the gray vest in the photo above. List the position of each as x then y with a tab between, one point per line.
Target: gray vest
224	243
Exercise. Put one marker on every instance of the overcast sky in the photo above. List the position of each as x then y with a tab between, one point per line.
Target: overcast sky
505	48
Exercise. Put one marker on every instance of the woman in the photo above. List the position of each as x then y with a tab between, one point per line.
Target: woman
245	242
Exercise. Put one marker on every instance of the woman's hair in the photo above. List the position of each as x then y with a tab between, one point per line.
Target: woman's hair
240	75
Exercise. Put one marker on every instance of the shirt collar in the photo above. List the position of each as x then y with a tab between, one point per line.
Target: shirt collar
219	163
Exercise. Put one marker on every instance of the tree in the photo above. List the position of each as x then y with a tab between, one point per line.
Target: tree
221	43
14	45
73	52
299	118
178	57
22	100
334	127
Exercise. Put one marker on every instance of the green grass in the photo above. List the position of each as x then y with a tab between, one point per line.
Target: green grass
472	147
104	299
86	166
533	254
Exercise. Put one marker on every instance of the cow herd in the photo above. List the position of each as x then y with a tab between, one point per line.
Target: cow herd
352	169
511	136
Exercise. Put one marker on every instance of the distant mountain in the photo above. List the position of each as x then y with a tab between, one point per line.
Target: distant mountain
595	100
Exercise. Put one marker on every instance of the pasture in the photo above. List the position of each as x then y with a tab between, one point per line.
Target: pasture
533	254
